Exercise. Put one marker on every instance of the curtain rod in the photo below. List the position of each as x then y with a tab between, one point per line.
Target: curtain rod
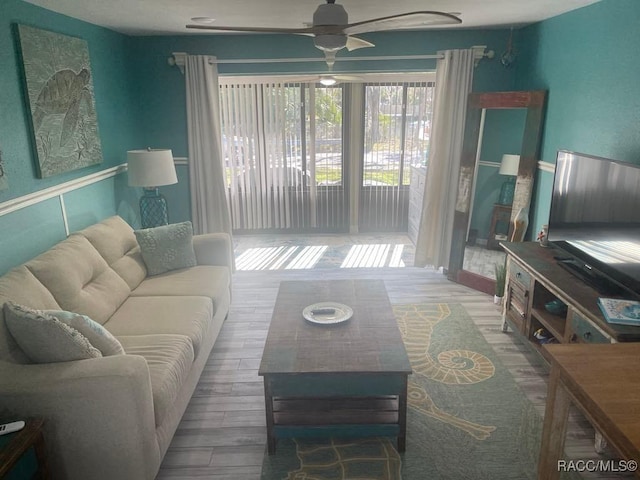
178	58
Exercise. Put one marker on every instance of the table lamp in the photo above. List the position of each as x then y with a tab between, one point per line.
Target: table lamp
150	169
508	166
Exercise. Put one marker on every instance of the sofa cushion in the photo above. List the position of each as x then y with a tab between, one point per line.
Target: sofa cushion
114	239
188	316
20	286
44	338
204	281
167	248
169	358
99	336
80	279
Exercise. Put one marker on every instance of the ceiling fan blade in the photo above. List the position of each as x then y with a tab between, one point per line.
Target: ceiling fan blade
353	43
348	78
299	31
404	20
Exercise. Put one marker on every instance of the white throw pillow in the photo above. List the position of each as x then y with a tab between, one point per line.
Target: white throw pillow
166	248
45	339
97	335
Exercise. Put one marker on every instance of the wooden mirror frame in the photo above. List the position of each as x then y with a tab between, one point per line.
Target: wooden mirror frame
533	102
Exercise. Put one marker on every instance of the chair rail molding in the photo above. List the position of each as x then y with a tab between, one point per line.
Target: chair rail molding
59	190
30	199
546	166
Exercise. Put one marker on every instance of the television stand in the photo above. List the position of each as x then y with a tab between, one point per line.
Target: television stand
588	275
538	275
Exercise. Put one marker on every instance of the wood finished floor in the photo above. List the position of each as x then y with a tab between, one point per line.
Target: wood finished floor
222	434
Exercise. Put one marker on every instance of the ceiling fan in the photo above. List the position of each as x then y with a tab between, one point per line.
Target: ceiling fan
325	79
331	30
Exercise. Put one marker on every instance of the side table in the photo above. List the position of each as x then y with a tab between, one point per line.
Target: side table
18	445
500	225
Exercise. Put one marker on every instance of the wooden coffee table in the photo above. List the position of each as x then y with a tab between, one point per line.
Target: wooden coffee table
341	380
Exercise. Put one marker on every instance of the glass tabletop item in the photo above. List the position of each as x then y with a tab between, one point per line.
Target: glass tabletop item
327	313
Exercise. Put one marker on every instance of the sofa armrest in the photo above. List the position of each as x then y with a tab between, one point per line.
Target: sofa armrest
214	249
99	418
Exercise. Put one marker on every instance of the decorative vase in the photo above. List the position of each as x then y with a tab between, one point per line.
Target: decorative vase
543	236
520	224
497	300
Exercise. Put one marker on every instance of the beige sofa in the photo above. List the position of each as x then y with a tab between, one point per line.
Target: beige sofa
114	417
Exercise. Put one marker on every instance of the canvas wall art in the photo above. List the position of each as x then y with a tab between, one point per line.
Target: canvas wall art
59	86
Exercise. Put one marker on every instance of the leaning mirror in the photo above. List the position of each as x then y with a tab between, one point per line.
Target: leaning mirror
499	162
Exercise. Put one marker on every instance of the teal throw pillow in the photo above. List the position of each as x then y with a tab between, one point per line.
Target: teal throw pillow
45	339
99	336
167	248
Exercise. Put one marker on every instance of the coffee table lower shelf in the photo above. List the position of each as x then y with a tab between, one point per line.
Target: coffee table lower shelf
341	406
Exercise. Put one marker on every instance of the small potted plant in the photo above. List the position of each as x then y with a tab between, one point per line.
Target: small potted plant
501	277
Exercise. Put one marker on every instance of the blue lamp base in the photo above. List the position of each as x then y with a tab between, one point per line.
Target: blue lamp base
153	209
507	191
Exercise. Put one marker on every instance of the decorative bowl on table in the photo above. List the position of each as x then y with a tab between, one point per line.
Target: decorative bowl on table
556	307
327	313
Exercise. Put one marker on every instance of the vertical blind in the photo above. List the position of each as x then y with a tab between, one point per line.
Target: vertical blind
282	151
397	131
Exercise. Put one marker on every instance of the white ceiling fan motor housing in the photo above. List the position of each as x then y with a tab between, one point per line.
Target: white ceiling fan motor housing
330	14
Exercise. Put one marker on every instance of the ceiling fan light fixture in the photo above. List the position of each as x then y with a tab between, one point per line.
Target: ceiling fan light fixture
328	81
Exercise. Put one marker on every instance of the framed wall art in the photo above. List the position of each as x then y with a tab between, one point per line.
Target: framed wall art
59	87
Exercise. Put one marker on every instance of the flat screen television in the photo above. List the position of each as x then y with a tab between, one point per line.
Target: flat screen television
595	219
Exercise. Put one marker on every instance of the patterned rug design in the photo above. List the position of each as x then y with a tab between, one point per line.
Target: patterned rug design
453	367
467	418
374	458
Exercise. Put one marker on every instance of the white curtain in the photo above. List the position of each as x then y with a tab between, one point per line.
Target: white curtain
209	207
454	76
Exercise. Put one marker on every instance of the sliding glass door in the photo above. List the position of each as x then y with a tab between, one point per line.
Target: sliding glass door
397	128
284	150
282	146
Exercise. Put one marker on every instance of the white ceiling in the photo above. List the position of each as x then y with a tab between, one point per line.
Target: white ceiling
169	17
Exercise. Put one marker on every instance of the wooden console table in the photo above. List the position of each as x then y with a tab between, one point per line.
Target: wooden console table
603	381
534	278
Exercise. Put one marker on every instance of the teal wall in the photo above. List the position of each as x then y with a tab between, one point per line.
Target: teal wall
588	61
28	232
113	94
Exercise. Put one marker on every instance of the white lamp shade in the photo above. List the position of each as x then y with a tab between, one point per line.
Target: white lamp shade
509	164
151	168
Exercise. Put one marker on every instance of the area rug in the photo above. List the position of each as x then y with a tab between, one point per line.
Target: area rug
467	418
